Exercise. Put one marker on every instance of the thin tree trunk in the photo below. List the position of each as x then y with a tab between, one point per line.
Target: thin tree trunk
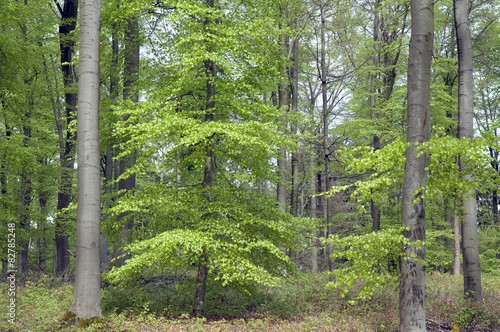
69	15
315	235
470	247
456	247
412	289
208	179
110	165
86	302
326	149
26	190
129	93
295	154
375	211
41	242
283	104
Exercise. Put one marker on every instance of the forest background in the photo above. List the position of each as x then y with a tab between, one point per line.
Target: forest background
223	125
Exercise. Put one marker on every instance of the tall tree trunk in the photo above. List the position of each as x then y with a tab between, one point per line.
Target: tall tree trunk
295	153
375	211
315	232
470	248
26	190
129	93
412	289
326	149
109	169
284	91
69	15
86	302
208	180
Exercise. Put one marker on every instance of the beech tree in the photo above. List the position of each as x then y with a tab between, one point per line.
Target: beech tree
208	116
470	248
412	288
86	303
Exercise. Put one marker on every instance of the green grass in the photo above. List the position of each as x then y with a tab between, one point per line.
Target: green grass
300	304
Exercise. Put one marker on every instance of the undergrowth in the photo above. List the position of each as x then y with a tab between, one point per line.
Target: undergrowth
301	303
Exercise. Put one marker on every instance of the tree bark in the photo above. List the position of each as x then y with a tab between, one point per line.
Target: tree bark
375	211
295	153
412	289
208	180
66	144
326	149
110	165
129	93
456	243
470	247
86	302
315	235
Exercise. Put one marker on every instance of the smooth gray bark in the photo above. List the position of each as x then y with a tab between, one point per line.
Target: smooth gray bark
86	302
412	288
470	248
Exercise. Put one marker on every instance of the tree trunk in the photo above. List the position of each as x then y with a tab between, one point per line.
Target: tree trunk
375	211
26	190
456	245
110	165
69	15
86	302
129	93
208	179
295	154
326	149
412	289
470	248
315	235
41	242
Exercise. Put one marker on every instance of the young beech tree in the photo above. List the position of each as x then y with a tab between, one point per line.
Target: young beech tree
86	302
470	247
205	140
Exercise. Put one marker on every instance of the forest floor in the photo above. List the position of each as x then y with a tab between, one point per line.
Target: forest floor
301	304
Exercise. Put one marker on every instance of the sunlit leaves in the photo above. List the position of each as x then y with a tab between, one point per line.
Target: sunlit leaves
367	258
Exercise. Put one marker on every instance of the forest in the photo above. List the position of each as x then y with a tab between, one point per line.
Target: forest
266	165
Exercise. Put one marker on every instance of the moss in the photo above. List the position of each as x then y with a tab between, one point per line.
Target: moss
70	318
67	319
98	321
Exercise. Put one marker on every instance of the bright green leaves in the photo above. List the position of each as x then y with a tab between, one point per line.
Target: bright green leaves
445	179
187	112
367	260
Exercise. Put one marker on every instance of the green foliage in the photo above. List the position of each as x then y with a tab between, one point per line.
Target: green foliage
489	249
368	258
445	179
240	230
472	315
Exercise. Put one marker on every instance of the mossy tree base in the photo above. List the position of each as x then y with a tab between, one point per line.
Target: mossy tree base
69	318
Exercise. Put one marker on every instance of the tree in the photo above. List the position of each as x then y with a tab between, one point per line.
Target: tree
412	288
86	303
207	116
470	247
67	25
